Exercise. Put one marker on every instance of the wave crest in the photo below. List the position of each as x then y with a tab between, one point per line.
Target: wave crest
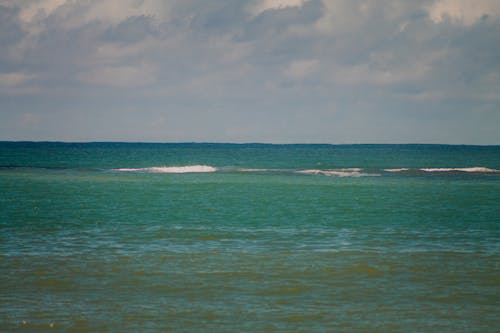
397	170
172	169
349	172
345	172
472	169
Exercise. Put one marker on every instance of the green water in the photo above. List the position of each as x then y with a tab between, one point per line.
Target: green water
275	239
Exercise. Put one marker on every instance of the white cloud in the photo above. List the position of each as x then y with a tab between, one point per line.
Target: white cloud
119	76
73	14
262	5
347	16
115	11
340	16
366	74
38	9
466	12
14	79
115	53
301	69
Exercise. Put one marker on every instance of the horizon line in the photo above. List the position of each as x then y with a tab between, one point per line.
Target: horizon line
248	143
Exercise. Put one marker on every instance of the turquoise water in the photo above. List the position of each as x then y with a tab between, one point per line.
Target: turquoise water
114	237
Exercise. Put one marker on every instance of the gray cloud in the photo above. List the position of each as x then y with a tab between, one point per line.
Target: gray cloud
10	29
132	30
280	70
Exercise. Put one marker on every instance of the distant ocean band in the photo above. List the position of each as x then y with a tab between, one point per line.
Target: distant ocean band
343	172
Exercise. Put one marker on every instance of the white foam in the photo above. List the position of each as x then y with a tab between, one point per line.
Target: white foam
172	169
472	169
397	170
348	172
254	170
127	169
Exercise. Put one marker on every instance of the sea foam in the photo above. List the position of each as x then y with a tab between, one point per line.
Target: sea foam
471	169
397	170
172	169
255	170
348	172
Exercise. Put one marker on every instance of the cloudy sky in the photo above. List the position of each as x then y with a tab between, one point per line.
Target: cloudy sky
332	71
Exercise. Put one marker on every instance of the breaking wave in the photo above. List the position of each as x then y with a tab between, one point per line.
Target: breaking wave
255	170
172	169
443	170
349	172
472	169
344	172
397	170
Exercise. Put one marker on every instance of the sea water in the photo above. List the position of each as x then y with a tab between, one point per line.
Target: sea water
123	237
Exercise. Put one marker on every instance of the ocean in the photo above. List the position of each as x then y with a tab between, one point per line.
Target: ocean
191	237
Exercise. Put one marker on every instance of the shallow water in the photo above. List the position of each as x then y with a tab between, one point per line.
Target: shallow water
309	238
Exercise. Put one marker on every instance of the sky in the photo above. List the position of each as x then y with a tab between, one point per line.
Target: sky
277	71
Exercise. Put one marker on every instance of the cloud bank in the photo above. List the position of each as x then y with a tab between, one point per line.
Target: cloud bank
338	71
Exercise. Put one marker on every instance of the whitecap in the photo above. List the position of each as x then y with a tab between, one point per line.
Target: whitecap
348	172
172	169
397	170
471	169
254	170
128	169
